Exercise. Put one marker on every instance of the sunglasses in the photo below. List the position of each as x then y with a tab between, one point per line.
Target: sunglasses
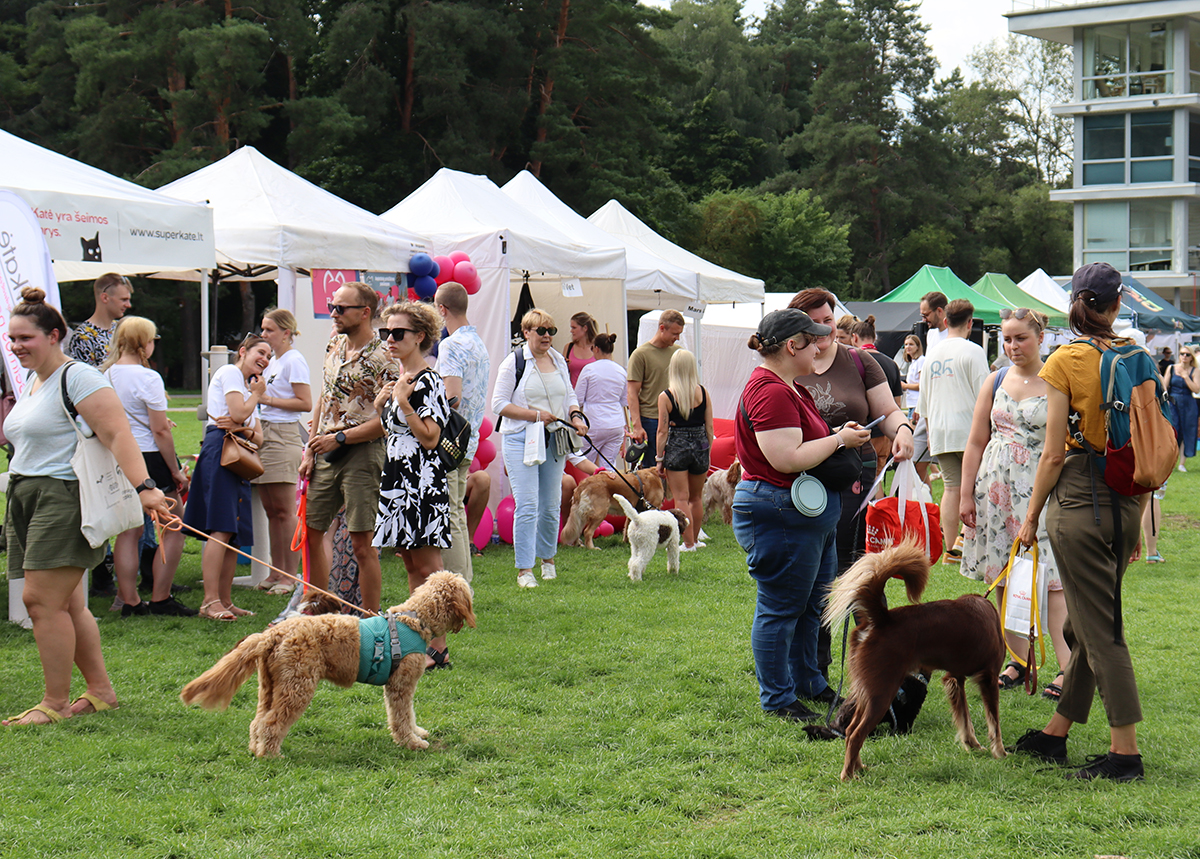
340	309
396	334
542	331
1019	313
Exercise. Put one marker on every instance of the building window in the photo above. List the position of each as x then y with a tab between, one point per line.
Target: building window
1193	148
1194	55
1148	138
1128	59
1193	237
1132	236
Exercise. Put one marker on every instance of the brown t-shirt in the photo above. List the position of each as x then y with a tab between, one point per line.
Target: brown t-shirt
648	364
840	392
1074	369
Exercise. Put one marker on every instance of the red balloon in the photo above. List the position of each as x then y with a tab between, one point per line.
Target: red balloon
445	270
504	518
604	529
474	466
485	429
460	256
483	533
486	452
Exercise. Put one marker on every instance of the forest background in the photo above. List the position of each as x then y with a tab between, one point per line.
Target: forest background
814	146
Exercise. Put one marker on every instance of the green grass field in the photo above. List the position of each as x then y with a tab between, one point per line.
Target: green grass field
588	717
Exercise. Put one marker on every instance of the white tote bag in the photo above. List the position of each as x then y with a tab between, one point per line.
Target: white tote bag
1026	590
108	502
535	443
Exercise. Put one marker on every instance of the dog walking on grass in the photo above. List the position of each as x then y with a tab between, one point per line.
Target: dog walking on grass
292	657
961	637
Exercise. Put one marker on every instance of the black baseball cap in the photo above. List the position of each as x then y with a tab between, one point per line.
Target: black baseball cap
778	325
1099	278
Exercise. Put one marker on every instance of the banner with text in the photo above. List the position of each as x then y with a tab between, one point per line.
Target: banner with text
327	281
24	261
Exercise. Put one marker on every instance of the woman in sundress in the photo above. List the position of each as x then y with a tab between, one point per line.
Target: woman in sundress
1008	432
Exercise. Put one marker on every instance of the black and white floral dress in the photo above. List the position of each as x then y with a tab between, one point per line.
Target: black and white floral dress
414	500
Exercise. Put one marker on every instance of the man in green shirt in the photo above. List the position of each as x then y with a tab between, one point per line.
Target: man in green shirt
647	376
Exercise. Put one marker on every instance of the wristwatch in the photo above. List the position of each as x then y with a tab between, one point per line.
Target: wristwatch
148	483
339	437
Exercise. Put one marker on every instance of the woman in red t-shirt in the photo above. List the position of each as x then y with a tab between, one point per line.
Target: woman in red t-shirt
779	433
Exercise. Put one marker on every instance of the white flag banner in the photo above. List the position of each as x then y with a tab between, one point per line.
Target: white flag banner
24	261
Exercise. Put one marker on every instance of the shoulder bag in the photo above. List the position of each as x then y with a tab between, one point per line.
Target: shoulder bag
452	445
240	455
108	502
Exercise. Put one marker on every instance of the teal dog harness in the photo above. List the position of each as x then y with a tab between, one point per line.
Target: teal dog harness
382	643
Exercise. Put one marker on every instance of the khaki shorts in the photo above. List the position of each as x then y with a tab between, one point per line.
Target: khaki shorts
951	466
280	452
353	482
44	526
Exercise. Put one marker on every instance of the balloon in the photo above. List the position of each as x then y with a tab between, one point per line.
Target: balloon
473	286
504	518
483	533
605	529
486	452
421	265
445	269
460	256
464	273
485	429
412	295
474	466
434	270
425	287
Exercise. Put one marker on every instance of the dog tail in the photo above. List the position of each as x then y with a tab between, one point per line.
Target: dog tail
214	689
573	530
860	589
630	510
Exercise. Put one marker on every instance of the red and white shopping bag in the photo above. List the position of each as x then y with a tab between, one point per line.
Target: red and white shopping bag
908	511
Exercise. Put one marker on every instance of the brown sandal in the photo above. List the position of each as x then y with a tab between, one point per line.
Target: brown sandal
222	614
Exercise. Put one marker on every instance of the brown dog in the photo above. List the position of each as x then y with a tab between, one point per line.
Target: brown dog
961	637
593	500
292	657
719	489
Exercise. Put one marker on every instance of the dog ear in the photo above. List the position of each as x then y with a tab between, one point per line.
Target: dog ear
462	606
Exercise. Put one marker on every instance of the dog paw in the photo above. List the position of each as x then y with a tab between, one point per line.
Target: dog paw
421	732
416	743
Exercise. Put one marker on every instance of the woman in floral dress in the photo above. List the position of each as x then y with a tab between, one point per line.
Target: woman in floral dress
414	499
1008	432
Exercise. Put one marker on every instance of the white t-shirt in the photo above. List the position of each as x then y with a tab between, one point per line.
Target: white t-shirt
933	337
281	374
603	392
951	379
41	433
226	380
140	389
914	378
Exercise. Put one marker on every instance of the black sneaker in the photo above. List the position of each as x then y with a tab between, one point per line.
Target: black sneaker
140	608
795	712
827	697
1039	744
171	606
1112	766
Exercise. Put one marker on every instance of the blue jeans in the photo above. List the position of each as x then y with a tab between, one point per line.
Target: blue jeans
537	489
792	557
650	425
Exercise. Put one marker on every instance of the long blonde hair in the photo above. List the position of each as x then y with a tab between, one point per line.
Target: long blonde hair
682	380
132	337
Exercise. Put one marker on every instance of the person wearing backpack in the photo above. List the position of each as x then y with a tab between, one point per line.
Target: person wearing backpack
1094	532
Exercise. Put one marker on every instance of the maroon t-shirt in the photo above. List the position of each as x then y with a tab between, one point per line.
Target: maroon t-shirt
772	404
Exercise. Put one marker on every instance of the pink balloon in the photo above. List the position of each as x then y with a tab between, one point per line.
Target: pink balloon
474	466
504	518
605	529
473	287
486	452
460	256
445	270
485	429
465	273
483	533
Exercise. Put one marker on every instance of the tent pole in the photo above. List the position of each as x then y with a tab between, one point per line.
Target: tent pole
286	296
205	280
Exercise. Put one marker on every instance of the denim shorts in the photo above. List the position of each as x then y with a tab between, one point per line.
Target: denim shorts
687	450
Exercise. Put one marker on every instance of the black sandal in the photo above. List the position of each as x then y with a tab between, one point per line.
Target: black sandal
1006	682
441	658
1054	691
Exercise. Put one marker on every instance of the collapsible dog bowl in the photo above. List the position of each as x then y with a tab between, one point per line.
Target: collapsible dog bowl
809	495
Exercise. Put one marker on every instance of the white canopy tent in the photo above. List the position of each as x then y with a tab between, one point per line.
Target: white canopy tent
94	222
1045	289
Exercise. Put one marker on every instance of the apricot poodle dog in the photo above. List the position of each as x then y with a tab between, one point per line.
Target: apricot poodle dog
292	657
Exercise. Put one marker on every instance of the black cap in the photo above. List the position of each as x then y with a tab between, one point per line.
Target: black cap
779	325
1099	278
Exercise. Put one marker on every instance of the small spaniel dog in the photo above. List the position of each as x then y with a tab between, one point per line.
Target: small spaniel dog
293	656
647	531
718	491
596	496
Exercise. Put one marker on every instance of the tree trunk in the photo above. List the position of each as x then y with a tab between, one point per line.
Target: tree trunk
547	88
409	87
249	317
189	293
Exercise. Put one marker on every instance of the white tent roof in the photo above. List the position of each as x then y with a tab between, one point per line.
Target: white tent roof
716	284
470	213
1045	289
126	228
267	217
650	281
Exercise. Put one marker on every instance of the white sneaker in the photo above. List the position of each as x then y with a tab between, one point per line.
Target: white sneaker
526	580
702	535
699	544
548	572
1182	469
692	548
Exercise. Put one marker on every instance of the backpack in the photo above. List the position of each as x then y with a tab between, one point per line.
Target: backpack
520	372
1141	450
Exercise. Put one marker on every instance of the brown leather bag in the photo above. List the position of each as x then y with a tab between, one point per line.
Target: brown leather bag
240	455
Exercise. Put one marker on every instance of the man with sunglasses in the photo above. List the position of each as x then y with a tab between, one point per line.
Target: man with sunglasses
89	340
933	311
647	375
344	458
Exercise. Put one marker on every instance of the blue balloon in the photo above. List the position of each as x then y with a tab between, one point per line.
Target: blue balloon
425	286
436	270
421	264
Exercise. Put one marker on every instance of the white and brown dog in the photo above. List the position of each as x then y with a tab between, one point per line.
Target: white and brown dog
292	657
596	496
719	489
647	531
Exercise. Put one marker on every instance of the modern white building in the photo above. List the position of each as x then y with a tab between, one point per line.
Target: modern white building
1136	110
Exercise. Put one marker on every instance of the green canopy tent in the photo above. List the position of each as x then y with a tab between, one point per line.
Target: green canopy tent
934	278
1000	287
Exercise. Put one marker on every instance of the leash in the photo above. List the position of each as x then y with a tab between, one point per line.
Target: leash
171	522
643	504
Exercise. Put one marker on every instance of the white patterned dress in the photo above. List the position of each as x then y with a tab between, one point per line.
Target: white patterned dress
414	502
1003	488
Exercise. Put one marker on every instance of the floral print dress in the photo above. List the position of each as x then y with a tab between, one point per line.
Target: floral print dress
414	499
1003	488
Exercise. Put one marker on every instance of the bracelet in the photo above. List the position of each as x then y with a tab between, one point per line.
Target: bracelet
908	427
840	442
408	415
659	458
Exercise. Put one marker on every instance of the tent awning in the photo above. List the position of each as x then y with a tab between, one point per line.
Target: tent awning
1001	288
932	278
1153	313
